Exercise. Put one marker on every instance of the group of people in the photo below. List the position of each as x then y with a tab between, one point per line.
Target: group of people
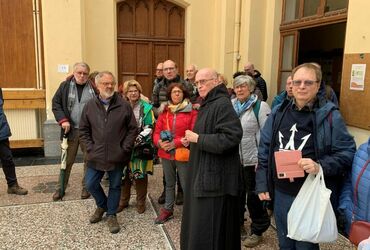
232	140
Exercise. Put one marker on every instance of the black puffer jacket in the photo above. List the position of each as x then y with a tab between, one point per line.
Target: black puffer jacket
214	160
109	135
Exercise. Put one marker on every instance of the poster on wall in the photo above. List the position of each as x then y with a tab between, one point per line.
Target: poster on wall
358	77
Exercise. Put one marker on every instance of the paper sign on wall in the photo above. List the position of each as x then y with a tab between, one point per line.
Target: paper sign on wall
358	77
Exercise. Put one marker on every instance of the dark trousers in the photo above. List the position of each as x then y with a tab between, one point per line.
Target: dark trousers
7	163
258	214
179	187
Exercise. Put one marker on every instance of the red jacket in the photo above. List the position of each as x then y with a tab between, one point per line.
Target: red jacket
185	119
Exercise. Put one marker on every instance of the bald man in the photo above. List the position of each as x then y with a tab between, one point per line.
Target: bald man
260	82
210	215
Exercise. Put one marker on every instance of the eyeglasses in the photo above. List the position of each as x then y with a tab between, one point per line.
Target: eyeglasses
169	69
133	91
82	73
159	70
306	83
203	81
176	91
106	84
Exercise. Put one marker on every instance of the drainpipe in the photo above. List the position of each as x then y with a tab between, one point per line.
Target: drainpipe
237	24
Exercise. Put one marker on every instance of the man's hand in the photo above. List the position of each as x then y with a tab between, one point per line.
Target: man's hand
309	166
191	136
264	196
66	126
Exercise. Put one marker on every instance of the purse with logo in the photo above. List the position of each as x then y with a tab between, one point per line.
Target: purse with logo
360	230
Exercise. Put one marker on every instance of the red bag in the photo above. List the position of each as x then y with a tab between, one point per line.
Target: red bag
360	230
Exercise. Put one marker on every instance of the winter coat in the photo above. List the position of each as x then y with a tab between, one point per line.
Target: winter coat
261	84
251	132
334	147
60	105
4	126
346	205
108	135
184	120
214	159
279	98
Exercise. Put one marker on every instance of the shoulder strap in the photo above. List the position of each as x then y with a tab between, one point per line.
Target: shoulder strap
355	193
256	110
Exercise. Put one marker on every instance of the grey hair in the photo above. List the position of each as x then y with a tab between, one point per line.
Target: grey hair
245	79
82	64
101	74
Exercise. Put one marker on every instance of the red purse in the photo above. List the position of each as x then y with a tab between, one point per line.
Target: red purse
360	230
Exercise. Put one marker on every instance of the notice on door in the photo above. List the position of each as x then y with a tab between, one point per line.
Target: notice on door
358	77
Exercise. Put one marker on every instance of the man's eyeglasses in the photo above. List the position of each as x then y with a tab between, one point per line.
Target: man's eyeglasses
306	83
202	82
82	73
106	84
169	69
160	70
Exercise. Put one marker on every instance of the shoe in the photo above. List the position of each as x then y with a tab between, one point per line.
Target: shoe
18	190
252	240
243	233
121	207
85	194
140	209
98	215
57	196
113	224
164	216
162	198
179	198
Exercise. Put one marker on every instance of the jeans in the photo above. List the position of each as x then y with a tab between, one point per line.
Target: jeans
93	178
258	214
169	170
282	204
7	163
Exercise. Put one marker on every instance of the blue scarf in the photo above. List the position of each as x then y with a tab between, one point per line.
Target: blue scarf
240	108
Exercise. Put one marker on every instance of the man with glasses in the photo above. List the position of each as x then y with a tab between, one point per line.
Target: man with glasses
108	129
191	71
67	105
158	75
210	214
159	99
311	124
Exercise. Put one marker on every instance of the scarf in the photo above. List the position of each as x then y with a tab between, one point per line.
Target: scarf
240	108
174	108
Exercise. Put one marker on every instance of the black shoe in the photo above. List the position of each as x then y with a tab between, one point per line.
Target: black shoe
179	198
162	198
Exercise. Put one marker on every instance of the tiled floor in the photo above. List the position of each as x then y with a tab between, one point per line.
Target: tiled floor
34	221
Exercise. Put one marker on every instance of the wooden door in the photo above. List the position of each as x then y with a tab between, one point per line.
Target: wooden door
149	32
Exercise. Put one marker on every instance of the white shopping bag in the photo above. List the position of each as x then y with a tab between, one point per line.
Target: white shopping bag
311	217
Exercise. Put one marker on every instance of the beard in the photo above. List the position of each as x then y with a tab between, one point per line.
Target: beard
106	94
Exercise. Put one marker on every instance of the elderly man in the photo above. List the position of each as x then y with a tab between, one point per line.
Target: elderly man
108	129
67	105
158	74
210	215
260	82
191	71
285	94
314	126
159	99
6	155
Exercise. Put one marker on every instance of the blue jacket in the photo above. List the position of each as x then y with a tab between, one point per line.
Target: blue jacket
4	126
362	211
279	98
334	147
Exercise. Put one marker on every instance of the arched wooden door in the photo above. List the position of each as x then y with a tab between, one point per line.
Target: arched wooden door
148	32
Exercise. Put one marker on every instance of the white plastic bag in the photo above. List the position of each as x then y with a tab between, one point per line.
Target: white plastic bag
311	217
364	245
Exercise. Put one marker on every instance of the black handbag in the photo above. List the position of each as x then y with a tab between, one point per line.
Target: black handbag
144	150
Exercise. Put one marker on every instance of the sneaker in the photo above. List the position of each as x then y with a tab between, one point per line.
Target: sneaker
252	240
113	224
179	198
18	190
85	194
164	216
98	215
57	196
162	198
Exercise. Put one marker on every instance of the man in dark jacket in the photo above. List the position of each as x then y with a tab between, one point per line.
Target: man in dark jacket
6	155
108	130
210	215
260	82
315	127
67	105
